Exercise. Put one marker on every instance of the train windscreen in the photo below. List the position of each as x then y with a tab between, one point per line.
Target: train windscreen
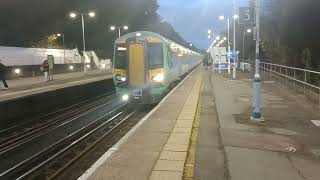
155	54
121	57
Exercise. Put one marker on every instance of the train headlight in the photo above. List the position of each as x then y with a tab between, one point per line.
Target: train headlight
125	97
120	77
158	78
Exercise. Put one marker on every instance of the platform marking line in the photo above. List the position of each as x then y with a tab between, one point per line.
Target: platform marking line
316	122
50	88
114	148
188	170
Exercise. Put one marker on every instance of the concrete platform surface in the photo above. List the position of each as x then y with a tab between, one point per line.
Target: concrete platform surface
156	148
28	86
279	148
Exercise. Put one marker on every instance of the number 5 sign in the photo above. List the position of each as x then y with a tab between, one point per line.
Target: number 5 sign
246	15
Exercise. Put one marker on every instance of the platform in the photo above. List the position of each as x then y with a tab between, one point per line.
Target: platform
202	130
28	86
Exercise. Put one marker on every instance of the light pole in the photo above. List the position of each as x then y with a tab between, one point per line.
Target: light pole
221	18
64	49
256	115
244	36
112	28
211	37
74	15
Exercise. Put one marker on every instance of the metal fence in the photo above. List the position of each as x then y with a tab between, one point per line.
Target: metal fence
303	81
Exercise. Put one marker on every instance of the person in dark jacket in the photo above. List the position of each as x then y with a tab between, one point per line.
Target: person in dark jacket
45	69
2	74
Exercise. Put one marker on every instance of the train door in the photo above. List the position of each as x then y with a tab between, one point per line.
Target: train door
136	65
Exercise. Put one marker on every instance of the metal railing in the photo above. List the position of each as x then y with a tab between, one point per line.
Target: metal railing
303	81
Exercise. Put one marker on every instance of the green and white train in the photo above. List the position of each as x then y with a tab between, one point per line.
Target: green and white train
145	64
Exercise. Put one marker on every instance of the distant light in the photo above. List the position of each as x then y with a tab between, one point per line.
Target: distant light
138	34
125	97
58	34
73	15
221	17
17	71
191	45
71	67
112	28
125	27
249	30
236	16
92	14
122	49
218	38
225	38
209	31
158	78
88	66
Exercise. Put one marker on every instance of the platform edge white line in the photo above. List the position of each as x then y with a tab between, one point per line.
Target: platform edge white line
114	148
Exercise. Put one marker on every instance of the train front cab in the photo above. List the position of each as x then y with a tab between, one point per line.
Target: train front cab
139	70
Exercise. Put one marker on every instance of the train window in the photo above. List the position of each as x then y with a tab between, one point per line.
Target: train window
155	54
121	57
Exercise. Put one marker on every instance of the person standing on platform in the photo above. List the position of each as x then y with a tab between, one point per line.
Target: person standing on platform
45	69
3	74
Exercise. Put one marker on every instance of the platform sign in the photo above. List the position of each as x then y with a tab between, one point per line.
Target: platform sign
246	15
50	61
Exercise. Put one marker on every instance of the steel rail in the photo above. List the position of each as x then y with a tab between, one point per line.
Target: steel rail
57	143
20	142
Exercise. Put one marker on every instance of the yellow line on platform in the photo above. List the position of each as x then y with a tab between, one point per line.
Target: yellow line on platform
188	171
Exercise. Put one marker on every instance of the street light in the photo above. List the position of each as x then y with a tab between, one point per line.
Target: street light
64	49
112	28
218	38
74	15
228	24
92	14
244	35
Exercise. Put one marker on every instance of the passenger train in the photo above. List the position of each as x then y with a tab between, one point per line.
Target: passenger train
145	64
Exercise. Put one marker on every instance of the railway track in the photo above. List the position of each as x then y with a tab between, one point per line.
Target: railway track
31	166
48	124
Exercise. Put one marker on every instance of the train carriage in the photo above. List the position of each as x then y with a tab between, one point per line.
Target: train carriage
145	64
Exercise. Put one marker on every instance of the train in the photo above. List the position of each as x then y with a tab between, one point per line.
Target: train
146	64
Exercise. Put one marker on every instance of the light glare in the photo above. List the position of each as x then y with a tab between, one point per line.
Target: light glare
73	15
17	71
112	28
92	14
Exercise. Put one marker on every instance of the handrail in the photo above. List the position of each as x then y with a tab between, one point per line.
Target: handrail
316	72
296	75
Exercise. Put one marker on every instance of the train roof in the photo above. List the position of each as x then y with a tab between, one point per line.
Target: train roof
172	44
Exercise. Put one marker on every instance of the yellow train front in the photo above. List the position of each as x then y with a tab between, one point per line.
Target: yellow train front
145	64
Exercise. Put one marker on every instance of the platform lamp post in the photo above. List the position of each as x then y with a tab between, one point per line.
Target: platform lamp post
256	115
64	48
243	41
112	28
73	15
221	18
